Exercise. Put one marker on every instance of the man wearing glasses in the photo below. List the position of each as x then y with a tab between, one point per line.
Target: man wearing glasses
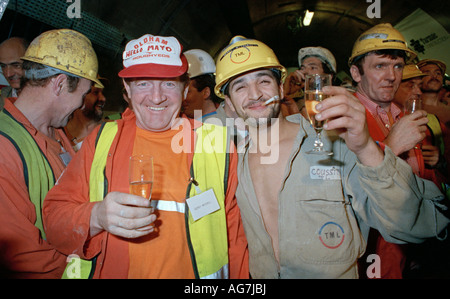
11	50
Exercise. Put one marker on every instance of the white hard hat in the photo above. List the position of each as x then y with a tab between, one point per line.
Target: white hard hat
323	54
200	63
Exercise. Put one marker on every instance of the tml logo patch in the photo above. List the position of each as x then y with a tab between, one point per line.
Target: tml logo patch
331	235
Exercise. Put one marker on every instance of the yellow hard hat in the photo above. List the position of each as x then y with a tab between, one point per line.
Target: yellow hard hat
411	71
66	50
380	37
243	55
440	64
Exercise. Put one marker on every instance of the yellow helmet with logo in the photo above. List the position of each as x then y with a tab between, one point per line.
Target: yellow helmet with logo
380	37
243	55
66	50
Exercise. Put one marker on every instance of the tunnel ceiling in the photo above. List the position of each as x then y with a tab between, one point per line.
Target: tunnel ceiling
210	24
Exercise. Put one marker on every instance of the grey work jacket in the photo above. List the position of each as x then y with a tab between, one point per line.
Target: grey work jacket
327	205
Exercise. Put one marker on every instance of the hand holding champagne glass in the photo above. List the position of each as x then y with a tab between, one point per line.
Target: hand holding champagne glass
314	95
411	106
141	175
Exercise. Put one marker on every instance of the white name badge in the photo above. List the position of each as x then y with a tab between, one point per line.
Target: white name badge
203	204
324	173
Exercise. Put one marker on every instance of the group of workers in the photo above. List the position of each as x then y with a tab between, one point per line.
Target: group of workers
223	205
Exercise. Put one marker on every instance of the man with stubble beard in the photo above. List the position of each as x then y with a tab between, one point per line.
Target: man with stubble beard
11	51
85	119
431	86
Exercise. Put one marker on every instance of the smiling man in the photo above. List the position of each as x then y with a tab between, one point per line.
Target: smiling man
60	67
86	118
11	52
120	235
307	215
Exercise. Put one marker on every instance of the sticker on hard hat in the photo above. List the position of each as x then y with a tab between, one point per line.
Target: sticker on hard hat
373	36
240	54
152	49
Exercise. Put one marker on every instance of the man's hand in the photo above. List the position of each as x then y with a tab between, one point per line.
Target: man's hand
345	114
430	155
124	215
294	82
407	132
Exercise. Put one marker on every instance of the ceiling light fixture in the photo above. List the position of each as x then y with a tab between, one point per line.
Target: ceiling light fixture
3	4
308	17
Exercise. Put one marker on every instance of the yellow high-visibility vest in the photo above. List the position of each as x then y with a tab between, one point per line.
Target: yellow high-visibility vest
207	237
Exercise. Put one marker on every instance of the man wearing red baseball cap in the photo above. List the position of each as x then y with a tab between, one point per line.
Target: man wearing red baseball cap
114	234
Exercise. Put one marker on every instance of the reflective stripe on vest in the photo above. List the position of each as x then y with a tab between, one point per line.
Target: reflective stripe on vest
207	236
38	173
169	206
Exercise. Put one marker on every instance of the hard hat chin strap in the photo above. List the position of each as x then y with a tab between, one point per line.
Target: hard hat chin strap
47	71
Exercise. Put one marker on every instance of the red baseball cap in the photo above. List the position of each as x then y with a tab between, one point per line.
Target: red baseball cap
154	57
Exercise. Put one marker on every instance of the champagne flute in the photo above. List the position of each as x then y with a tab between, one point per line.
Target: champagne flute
141	175
313	96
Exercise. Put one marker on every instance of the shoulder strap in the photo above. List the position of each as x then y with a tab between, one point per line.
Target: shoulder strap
38	174
436	131
98	188
98	185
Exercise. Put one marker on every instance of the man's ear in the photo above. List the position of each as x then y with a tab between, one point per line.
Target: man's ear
229	103
58	83
206	92
127	88
354	71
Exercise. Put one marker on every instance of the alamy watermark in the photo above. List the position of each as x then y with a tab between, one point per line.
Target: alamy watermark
374	9
264	141
74	10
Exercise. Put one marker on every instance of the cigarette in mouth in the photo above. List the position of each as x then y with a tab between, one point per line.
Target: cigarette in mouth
275	98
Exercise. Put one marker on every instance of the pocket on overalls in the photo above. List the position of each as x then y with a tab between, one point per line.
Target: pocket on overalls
326	230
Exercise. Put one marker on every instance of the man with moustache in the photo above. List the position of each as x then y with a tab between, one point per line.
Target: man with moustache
433	81
11	51
431	87
299	222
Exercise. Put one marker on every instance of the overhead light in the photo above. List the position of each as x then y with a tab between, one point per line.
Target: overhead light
308	18
3	4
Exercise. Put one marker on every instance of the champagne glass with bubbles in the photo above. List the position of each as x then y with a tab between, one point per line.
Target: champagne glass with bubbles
313	96
141	175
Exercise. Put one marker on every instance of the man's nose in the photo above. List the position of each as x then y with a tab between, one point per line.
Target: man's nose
254	92
157	95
